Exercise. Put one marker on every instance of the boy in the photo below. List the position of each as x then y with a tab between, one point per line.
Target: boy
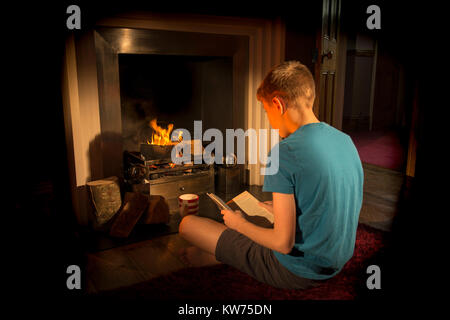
317	196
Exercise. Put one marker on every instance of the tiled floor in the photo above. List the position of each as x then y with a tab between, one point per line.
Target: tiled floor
133	263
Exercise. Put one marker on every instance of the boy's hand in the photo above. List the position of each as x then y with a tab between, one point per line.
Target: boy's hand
233	219
267	205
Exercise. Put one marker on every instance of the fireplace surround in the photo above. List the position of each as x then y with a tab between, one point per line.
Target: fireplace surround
91	87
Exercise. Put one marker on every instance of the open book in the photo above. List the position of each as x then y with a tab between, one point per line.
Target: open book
247	202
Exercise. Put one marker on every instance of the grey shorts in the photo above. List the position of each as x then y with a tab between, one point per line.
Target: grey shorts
240	252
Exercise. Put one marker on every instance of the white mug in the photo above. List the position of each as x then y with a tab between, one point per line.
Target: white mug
188	204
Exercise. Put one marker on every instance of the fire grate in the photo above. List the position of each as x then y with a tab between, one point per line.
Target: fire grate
160	176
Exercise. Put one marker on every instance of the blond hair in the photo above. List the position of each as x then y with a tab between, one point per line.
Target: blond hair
291	81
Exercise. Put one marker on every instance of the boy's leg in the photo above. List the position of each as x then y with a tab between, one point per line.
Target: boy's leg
203	234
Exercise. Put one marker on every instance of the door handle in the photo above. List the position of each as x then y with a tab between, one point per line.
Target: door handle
328	55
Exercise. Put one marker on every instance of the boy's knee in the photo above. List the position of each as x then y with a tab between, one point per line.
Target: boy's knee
183	228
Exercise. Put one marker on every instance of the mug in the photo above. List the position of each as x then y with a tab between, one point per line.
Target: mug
188	204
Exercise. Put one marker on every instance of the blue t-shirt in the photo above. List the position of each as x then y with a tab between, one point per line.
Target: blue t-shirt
321	167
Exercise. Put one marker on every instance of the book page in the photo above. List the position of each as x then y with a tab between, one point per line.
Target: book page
249	204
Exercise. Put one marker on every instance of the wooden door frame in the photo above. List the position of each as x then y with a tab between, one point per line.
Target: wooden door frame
341	54
412	144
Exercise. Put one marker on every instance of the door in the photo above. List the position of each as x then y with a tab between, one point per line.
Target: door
326	61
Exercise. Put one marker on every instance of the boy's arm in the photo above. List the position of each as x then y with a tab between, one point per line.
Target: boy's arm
282	237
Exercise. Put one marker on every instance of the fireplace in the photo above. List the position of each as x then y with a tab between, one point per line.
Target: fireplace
167	84
106	115
149	75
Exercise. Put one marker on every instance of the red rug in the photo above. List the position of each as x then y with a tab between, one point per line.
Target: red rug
222	282
381	148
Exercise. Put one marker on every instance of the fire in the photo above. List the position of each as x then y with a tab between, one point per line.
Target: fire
161	136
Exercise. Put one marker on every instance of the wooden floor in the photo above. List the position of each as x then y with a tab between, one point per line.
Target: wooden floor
141	261
382	188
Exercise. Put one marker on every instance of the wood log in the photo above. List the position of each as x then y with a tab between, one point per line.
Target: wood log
157	211
105	195
134	205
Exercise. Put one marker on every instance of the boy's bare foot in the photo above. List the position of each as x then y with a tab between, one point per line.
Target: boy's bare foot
195	257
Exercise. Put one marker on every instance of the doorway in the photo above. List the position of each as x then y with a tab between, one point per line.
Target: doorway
374	109
362	88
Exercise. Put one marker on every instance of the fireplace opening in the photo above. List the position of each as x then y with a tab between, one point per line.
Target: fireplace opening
159	94
176	90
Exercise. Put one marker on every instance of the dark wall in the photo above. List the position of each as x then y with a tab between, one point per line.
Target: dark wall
302	26
387	85
42	229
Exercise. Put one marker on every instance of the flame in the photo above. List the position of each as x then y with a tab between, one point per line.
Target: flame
161	136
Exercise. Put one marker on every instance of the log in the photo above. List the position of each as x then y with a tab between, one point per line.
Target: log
134	205
105	195
157	211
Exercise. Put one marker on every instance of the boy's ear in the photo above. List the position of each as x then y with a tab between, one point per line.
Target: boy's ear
279	103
